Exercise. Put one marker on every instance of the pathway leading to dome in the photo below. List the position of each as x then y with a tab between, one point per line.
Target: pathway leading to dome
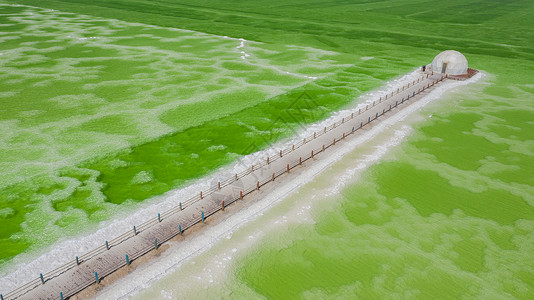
101	268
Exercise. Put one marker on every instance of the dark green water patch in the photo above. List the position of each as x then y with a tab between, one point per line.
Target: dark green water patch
402	180
470	254
454	141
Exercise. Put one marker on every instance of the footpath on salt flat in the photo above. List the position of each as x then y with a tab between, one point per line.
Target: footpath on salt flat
263	178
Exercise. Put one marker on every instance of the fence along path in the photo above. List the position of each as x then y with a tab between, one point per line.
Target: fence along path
91	267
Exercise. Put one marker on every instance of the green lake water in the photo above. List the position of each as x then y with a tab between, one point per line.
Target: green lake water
447	214
450	216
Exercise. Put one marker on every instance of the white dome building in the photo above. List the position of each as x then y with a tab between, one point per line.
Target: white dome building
449	62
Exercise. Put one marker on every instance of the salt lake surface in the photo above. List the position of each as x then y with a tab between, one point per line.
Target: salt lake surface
445	213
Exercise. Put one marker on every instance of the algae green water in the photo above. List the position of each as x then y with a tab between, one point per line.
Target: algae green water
450	216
